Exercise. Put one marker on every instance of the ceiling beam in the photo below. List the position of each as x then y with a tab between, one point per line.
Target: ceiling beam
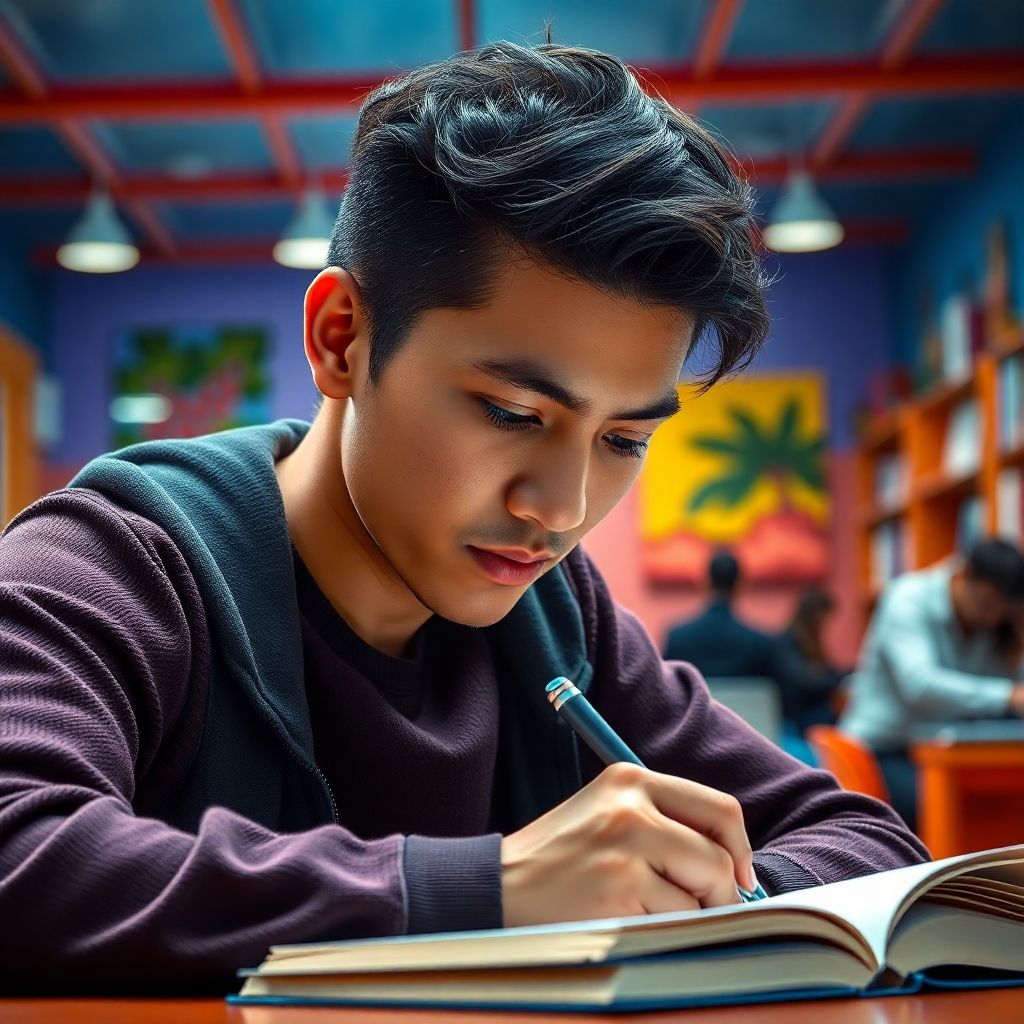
465	12
714	36
911	23
893	165
76	136
744	84
867	231
230	25
18	64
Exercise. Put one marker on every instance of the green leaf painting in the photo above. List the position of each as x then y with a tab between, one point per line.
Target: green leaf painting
752	452
212	378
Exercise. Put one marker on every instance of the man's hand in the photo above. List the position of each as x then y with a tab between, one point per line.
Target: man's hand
631	842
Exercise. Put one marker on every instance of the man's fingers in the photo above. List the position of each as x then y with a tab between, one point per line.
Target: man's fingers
718	816
660	896
696	864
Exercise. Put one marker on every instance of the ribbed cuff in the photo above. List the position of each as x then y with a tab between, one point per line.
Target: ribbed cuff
453	884
778	874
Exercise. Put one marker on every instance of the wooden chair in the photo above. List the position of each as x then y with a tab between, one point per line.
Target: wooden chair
852	763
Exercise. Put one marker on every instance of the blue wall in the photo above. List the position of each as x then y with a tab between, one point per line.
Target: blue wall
948	246
23	294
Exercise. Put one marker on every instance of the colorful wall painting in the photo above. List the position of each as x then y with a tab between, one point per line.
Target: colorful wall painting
203	378
740	468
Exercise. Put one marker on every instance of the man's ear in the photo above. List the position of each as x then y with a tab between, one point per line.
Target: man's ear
335	332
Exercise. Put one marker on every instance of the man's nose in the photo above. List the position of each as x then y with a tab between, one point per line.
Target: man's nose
552	491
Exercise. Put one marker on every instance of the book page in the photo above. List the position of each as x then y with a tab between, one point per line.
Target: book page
874	904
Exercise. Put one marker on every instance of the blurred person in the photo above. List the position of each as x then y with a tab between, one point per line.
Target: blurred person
809	682
716	641
943	644
286	683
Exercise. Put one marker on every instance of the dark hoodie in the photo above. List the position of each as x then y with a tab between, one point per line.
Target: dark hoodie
198	758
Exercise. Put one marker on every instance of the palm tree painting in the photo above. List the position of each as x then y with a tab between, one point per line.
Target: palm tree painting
740	467
778	452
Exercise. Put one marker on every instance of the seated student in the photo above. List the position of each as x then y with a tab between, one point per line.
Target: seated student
716	641
808	680
943	644
286	683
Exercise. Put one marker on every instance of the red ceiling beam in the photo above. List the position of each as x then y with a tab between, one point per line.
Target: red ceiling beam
465	11
714	36
18	64
75	135
230	25
234	37
911	23
733	84
895	165
238	187
859	231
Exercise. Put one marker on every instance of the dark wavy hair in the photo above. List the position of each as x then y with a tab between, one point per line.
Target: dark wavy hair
556	154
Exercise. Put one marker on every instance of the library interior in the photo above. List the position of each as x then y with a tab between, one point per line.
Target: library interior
817	562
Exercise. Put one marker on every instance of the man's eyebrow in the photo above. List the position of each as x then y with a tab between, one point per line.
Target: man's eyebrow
533	376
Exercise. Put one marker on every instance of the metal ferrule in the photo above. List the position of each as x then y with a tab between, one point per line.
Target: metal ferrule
566	691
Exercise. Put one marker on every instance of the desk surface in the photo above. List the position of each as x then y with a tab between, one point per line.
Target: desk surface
935	1008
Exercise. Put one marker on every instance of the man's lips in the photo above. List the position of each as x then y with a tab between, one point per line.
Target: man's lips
512	567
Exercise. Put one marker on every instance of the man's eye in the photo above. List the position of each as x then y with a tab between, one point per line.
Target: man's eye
506	420
627	447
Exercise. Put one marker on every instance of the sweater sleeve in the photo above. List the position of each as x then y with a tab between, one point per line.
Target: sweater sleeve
803	828
102	642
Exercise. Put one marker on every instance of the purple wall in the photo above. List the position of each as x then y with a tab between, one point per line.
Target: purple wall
90	312
830	312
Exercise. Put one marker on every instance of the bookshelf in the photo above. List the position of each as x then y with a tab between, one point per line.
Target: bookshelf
18	457
942	468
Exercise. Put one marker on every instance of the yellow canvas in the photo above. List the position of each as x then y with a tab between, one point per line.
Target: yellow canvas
741	467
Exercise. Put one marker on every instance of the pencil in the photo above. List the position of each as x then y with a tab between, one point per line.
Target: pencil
566	698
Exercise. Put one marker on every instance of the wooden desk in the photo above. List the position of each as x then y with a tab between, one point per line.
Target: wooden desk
970	795
993	1005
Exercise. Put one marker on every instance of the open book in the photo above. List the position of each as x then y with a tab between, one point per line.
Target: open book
955	922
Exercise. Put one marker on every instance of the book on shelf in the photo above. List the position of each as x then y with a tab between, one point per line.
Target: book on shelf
962	450
970	522
955	332
890	480
1010	504
957	922
888	552
1011	402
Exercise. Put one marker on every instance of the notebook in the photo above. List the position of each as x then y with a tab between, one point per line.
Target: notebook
957	922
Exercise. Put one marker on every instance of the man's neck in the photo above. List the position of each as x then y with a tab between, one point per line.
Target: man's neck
336	548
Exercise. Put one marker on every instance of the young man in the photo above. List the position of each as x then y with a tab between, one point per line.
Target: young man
287	683
944	644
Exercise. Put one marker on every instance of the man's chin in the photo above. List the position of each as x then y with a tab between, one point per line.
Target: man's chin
481	610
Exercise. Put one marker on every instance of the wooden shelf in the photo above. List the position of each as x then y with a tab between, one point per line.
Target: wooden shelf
941	485
1015	346
1012	457
945	394
883	433
870	518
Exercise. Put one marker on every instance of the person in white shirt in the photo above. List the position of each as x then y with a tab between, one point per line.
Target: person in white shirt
943	644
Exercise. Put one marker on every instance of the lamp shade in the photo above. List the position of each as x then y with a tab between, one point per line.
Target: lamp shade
307	238
98	243
802	221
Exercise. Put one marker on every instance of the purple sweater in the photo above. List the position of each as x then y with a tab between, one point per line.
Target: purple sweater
104	663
